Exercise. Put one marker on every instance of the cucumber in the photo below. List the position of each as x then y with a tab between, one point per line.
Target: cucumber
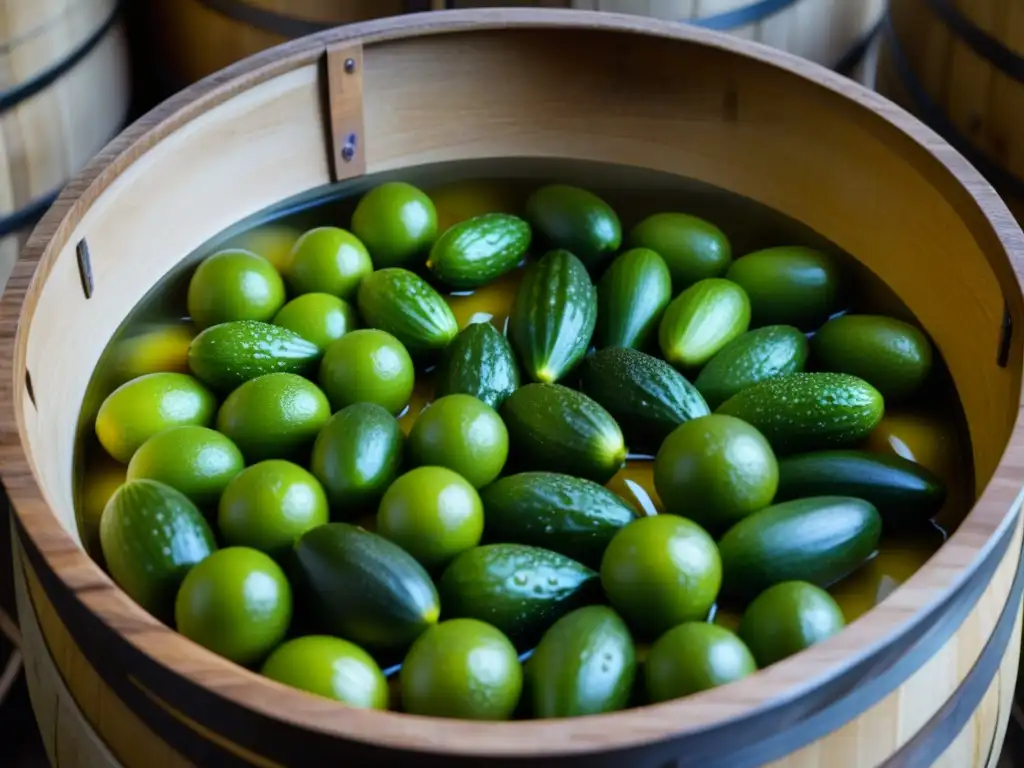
892	356
554	428
693	249
905	493
631	295
363	588
553	316
479	362
226	355
403	304
476	251
585	664
701	320
521	590
151	535
568	515
818	540
577	220
809	411
756	356
789	285
646	396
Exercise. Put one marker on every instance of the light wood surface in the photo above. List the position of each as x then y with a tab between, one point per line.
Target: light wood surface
809	143
47	136
982	102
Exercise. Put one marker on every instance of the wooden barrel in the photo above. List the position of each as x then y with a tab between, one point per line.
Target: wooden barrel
925	677
64	93
960	67
189	39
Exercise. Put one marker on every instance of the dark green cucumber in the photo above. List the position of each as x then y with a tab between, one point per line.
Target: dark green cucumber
554	428
553	316
584	665
756	356
577	220
520	590
809	411
479	362
226	355
631	295
568	515
819	540
151	535
646	396
905	493
403	304
363	588
474	252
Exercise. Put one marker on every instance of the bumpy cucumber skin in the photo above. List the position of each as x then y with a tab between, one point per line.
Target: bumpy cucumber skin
584	665
904	492
403	304
151	536
646	396
364	588
631	296
755	356
519	589
818	540
701	320
568	515
228	354
577	220
476	251
553	316
479	362
554	428
809	411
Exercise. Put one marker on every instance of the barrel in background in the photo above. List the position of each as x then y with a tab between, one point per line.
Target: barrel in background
959	65
64	92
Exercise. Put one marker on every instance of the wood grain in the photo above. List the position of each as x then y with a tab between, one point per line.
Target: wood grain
345	100
758	122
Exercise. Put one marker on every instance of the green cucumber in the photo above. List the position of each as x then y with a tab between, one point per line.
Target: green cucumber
553	316
756	356
479	362
228	354
363	588
905	493
403	304
585	664
554	428
476	251
631	295
151	536
809	411
892	356
693	249
521	590
646	396
819	540
577	220
701	320
568	515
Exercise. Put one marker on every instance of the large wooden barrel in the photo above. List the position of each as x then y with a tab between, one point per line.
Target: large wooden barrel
960	67
64	92
189	39
925	677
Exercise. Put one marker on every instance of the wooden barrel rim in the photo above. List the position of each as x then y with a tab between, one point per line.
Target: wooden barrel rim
293	26
165	652
931	112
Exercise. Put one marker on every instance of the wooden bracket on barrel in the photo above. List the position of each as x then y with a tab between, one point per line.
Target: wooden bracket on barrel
345	110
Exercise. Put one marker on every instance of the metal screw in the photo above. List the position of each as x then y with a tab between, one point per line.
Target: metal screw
348	151
350	65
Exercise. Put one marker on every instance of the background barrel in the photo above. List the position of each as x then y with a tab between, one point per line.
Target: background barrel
64	92
181	41
959	65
